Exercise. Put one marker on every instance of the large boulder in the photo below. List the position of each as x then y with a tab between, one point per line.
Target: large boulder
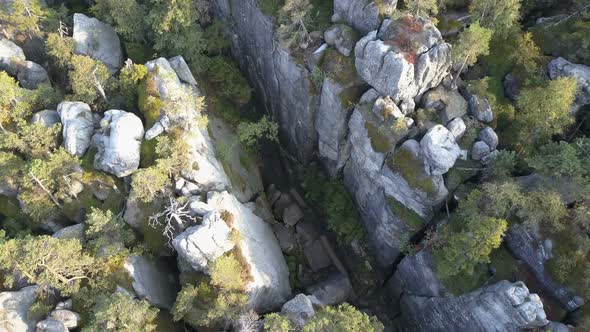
30	75
69	318
51	325
71	232
480	108
14	308
503	306
440	149
12	56
450	103
46	118
118	142
97	40
560	67
153	280
298	310
404	59
342	37
78	126
182	70
480	149
202	244
363	15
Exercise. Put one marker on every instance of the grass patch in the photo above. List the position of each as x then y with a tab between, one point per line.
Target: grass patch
148	153
411	169
411	218
379	141
338	67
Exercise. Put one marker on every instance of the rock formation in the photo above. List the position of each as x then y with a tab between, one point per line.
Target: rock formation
78	126
97	40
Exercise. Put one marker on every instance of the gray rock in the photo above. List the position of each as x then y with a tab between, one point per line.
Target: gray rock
97	40
451	104
385	108
202	244
292	214
334	290
69	318
118	143
78	127
489	136
153	280
363	15
416	275
479	108
14	307
342	37
71	232
12	56
67	305
480	149
560	67
30	75
286	237
511	87
51	325
299	310
46	118
440	149
316	255
457	127
182	70
503	306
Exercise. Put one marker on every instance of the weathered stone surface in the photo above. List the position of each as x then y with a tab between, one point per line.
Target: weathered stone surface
383	60
292	214
30	75
457	127
489	136
182	70
503	306
450	104
46	118
299	310
480	149
334	290
342	37
15	307
363	15
416	275
71	232
118	143
202	244
51	325
11	56
70	319
78	127
152	280
529	246
479	108
511	87
440	149
97	40
560	67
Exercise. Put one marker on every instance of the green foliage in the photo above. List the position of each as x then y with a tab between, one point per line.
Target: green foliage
473	42
129	79
215	301
127	16
276	323
60	49
544	112
407	215
502	165
227	79
500	16
106	233
174	153
379	140
150	183
335	203
422	7
343	317
47	261
39	310
216	42
563	159
87	77
338	67
11	167
26	16
251	134
120	312
293	19
270	7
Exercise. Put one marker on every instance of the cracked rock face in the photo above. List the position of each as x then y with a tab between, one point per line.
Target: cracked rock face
503	306
98	40
404	59
560	67
118	142
78	127
363	15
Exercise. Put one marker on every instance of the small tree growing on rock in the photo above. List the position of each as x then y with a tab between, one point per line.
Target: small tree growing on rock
473	42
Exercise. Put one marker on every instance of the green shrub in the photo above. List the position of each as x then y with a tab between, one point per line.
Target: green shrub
227	79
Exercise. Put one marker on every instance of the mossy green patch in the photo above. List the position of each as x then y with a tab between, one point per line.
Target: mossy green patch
138	53
411	168
379	141
9	207
338	67
411	218
148	153
469	137
270	7
321	15
96	182
461	172
350	96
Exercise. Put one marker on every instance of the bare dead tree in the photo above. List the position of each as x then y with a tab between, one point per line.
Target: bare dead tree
97	85
248	321
175	216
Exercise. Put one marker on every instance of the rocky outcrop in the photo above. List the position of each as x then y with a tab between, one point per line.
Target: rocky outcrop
118	142
415	276
78	126
70	319
342	37
298	310
480	109
449	104
182	70
71	232
560	67
14	307
97	40
363	15
440	149
51	325
30	75
152	280
530	247
11	56
404	59
503	306
46	118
